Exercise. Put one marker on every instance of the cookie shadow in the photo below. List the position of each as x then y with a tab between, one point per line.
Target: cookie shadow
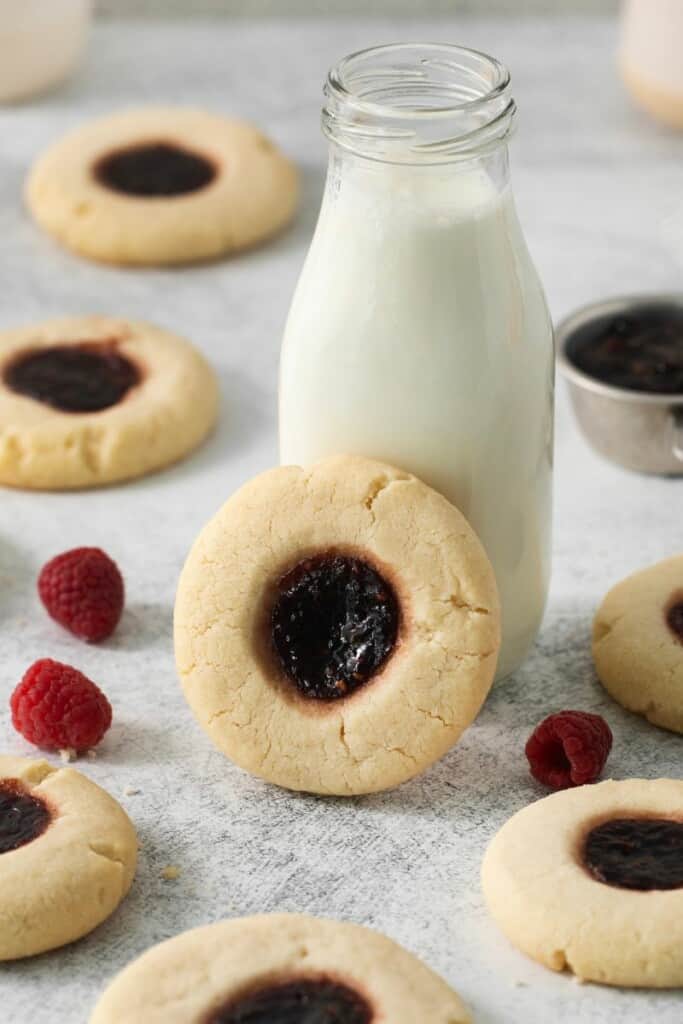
485	777
140	921
132	742
557	674
243	420
247	411
142	625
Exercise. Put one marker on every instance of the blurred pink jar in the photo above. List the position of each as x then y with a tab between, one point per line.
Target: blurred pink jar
41	43
651	57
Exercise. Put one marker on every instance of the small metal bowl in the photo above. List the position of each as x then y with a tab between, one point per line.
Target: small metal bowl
636	429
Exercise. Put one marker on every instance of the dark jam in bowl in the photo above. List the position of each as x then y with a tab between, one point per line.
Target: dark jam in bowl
639	350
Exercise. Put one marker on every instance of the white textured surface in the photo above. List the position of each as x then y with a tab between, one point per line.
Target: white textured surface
599	194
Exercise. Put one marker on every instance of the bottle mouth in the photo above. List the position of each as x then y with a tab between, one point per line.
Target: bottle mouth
418	103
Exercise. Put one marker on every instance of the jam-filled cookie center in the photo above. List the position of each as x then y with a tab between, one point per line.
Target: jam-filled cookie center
308	1001
636	853
334	624
23	817
73	378
154	169
674	619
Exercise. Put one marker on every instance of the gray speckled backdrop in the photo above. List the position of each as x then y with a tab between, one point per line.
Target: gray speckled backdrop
598	187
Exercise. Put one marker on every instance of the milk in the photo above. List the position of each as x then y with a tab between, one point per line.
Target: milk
419	335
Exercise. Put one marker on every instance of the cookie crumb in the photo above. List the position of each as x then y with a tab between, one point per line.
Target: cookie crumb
170	873
130	791
577	980
67	754
92	754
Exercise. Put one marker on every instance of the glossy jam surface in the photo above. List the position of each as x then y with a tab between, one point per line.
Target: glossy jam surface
155	169
308	1001
641	351
334	624
73	378
23	817
636	853
674	620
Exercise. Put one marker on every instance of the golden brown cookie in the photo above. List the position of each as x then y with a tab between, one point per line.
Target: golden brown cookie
337	628
249	969
162	186
67	856
591	880
638	643
88	401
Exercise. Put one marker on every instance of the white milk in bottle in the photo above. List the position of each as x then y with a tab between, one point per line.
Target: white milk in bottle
419	332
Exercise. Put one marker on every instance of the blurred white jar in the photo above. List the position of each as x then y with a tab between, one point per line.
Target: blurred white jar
651	59
41	42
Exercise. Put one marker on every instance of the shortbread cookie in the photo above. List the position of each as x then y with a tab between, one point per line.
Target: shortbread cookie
67	856
591	879
337	628
279	967
638	643
91	400
162	186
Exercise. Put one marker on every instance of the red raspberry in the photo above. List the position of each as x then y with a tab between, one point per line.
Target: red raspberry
83	591
56	707
569	749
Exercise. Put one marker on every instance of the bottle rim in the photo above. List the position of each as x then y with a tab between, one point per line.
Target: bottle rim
418	102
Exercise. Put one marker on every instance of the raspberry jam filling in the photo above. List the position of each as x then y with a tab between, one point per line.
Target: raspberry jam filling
73	378
674	620
636	853
154	169
640	352
308	1001
23	817
334	624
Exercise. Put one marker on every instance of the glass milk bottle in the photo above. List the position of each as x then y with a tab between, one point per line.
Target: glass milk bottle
419	333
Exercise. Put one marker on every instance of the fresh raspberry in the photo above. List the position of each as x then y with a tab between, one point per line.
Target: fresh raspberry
83	591
569	749
57	707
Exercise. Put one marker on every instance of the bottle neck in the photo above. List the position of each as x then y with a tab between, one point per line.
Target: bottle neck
419	105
